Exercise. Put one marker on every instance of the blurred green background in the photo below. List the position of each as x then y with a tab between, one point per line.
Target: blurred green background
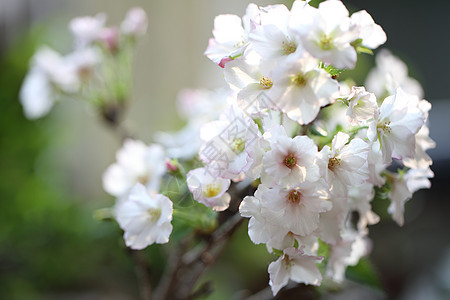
51	247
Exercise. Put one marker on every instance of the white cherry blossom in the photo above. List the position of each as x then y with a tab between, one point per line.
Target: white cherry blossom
36	94
371	34
261	230
135	22
225	143
362	105
347	252
136	162
421	159
144	218
231	35
87	30
298	208
326	33
359	200
300	88
294	265
404	185
208	190
273	40
290	161
251	85
346	162
396	124
389	74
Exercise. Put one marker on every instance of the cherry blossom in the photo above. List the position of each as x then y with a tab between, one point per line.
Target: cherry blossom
362	105
208	190
87	30
389	74
231	35
300	88
396	124
404	185
225	141
136	162
294	265
326	33
371	34
290	161
135	22
145	218
347	252
346	162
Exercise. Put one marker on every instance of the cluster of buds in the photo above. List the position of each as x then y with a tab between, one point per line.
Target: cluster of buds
98	70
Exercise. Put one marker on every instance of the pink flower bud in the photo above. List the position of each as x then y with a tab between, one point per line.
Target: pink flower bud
110	37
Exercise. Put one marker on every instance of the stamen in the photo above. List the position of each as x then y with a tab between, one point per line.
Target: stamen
266	82
238	145
143	179
154	213
290	161
333	163
294	196
326	42
289	47
385	126
211	190
298	80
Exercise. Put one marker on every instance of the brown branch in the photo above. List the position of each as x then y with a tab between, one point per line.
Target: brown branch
112	116
142	274
169	278
195	264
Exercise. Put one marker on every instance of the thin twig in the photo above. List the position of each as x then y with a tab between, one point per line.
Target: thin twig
223	232
169	278
142	274
112	116
196	263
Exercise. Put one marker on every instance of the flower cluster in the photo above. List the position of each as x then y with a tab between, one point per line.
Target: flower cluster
97	71
317	147
314	151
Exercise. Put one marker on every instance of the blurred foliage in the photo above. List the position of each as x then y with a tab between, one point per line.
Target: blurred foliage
365	273
48	241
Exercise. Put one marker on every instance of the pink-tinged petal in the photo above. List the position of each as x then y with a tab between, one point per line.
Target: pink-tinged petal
279	275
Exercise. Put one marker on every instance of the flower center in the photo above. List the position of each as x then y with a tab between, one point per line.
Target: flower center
325	42
288	261
385	126
298	80
211	190
143	179
333	163
238	145
266	83
154	213
239	44
288	47
290	161
294	196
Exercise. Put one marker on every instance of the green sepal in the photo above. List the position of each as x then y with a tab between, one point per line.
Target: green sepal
278	252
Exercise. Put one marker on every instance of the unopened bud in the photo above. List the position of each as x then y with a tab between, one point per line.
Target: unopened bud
110	37
172	165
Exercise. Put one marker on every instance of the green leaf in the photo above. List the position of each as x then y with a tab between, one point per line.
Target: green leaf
364	273
324	250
